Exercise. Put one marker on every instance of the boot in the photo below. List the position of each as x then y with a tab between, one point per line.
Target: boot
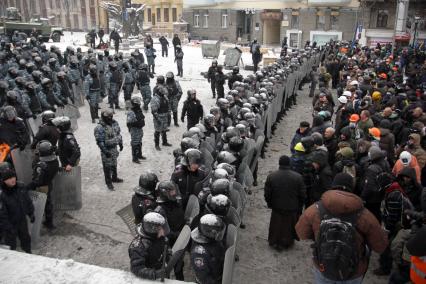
145	107
49	225
140	156
153	67
135	154
157	140
115	178
175	118
164	138
108	180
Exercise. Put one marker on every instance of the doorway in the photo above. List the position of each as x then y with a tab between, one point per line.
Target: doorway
271	32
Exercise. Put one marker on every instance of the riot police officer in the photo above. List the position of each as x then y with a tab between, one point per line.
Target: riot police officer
44	171
143	200
92	89
207	249
68	148
220	80
146	251
129	84
192	108
174	93
47	131
235	77
12	129
211	77
108	138
179	60
143	80
168	200
135	123
160	112
114	84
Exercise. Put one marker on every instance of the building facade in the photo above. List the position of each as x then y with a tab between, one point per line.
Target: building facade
76	15
385	20
160	15
271	21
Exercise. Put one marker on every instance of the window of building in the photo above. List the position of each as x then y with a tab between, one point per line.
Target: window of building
196	20
158	14
294	40
294	21
206	20
148	15
224	19
382	18
166	14
174	14
92	3
334	20
320	21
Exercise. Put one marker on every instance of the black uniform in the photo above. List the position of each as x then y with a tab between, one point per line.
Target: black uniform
220	80
164	46
43	174
14	133
193	110
47	132
146	256
15	205
187	180
69	150
207	261
211	77
142	204
235	77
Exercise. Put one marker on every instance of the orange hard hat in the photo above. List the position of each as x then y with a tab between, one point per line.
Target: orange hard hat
354	118
375	132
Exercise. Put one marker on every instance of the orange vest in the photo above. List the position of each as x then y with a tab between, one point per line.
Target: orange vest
418	269
4	151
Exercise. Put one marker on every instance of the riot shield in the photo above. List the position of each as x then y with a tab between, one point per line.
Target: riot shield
34	124
192	209
126	214
178	249
235	198
233	217
231	235
228	265
66	190
232	57
78	95
72	111
39	202
198	187
259	145
22	161
244	175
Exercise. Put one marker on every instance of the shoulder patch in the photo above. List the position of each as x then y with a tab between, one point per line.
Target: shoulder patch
200	250
199	262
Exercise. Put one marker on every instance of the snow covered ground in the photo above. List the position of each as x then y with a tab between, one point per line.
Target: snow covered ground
96	235
22	268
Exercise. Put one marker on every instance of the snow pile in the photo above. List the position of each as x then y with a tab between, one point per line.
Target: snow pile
22	268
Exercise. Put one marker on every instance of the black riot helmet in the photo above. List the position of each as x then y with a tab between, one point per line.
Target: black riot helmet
151	224
192	156
236	144
235	69
144	66
136	101
170	75
214	62
218	204
220	173
226	157
9	113
147	183
220	186
47	116
46	151
211	228
228	168
160	79
167	191
93	70
189	143
209	120
63	123
107	116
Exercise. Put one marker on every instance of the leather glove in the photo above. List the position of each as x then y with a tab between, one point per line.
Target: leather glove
121	146
160	273
32	218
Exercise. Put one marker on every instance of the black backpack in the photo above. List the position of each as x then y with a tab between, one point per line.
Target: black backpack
335	248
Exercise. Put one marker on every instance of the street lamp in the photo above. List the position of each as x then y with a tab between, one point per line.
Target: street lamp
416	23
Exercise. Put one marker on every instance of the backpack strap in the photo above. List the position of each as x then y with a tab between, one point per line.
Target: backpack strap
352	217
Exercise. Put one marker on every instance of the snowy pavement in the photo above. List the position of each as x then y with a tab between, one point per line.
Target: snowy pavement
96	235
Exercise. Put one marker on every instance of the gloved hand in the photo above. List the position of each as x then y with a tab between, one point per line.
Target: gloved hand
32	218
22	147
121	146
160	273
34	116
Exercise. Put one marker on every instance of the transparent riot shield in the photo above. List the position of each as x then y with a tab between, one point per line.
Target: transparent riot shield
192	209
178	249
233	217
22	161
126	214
259	145
34	124
228	265
39	202
66	190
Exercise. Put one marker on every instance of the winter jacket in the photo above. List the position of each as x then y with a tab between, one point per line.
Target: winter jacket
395	203
331	145
297	137
365	125
15	206
370	187
417	150
412	188
339	202
285	190
398	167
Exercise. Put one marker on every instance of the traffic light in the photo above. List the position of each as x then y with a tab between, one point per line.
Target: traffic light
128	3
